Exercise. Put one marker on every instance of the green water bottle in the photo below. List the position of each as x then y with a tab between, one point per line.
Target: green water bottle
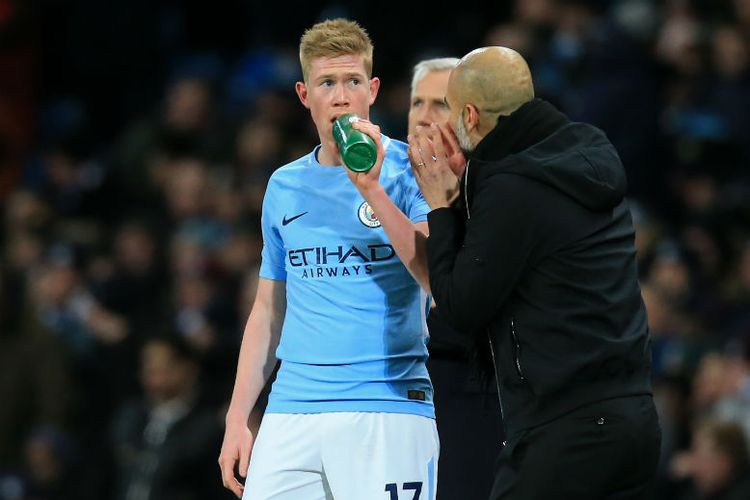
358	151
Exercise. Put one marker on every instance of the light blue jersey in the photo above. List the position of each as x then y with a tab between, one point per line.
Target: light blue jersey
354	335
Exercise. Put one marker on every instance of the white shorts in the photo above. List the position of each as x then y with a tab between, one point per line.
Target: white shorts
344	456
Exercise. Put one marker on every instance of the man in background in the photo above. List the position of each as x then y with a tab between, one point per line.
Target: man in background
162	442
467	413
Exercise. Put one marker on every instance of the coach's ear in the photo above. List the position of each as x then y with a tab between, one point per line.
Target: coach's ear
470	115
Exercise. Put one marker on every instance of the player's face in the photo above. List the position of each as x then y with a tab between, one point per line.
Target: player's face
428	101
336	86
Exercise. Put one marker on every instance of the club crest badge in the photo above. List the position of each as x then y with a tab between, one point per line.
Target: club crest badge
367	216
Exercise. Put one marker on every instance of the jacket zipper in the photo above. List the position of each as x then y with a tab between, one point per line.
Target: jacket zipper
489	337
466	189
517	355
497	380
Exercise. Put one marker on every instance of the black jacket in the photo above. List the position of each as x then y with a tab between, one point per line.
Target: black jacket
545	266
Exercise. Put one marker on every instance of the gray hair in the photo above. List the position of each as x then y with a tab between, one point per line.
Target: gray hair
423	68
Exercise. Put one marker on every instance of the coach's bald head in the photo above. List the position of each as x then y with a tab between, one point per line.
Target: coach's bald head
487	83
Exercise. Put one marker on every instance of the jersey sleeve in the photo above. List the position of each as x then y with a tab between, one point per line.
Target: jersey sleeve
416	206
404	190
272	257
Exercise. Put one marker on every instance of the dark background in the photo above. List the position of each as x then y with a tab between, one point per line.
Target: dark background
136	140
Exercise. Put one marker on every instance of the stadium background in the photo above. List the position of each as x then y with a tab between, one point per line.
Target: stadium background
136	138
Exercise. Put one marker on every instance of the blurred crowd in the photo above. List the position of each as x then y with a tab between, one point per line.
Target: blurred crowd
130	246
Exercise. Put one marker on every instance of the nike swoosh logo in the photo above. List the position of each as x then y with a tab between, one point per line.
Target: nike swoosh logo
290	219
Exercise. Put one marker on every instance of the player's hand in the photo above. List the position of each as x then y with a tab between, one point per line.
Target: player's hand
367	181
235	452
431	155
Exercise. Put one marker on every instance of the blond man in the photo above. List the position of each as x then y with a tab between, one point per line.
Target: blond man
341	302
467	412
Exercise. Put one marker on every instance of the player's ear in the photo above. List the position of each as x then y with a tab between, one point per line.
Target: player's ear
374	87
301	90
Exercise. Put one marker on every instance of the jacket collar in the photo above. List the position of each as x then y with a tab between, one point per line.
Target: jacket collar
531	123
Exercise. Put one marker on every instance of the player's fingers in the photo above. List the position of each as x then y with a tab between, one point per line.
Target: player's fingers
363	121
237	489
227	476
373	131
244	460
368	128
226	465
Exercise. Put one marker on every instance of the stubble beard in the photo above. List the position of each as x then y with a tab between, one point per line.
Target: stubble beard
464	141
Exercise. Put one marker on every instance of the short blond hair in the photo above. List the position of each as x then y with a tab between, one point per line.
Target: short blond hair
333	38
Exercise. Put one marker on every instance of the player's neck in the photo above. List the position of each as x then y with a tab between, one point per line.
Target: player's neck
328	154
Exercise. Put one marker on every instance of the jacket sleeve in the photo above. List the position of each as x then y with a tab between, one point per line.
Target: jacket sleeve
475	264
